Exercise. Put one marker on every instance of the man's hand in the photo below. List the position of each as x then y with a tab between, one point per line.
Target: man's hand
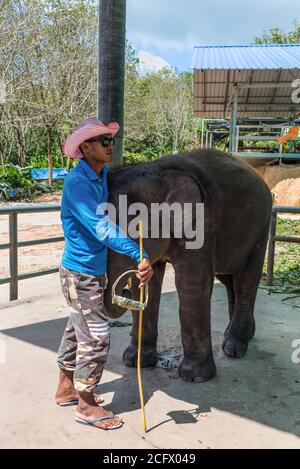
145	272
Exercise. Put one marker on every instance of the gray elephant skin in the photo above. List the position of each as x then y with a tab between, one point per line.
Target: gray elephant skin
237	211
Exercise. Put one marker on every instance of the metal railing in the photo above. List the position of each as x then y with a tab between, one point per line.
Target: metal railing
273	238
14	244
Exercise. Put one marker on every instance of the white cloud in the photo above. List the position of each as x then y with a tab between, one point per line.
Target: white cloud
177	24
170	28
160	42
151	62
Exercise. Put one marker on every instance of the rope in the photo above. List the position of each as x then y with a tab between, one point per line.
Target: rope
139	306
140	336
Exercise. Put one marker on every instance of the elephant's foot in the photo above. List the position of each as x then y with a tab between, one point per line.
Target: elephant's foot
234	347
235	343
191	370
148	358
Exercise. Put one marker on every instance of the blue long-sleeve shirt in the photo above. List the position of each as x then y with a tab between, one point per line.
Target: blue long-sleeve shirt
88	232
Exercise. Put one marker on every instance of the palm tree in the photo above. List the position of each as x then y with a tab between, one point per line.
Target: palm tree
112	28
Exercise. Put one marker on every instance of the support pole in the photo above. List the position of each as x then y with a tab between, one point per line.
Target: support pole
271	249
13	256
237	138
202	133
233	122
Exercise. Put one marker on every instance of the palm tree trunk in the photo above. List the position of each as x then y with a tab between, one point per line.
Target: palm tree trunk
111	71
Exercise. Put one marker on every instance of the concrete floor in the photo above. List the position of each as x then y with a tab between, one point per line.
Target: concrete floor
253	402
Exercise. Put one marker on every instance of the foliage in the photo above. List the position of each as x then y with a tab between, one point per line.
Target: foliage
133	158
14	177
276	35
287	255
159	115
48	50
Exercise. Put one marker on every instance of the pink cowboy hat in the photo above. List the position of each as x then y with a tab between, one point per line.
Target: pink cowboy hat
88	128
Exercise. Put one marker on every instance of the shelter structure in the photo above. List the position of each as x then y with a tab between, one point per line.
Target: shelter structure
250	87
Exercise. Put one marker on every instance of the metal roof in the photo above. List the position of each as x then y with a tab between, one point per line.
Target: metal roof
269	69
254	57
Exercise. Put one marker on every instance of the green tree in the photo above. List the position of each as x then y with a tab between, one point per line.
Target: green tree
159	117
51	65
48	61
276	35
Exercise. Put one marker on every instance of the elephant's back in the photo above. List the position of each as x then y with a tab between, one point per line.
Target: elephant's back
234	193
218	173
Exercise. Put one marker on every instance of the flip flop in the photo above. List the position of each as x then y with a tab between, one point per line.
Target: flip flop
93	422
75	401
68	403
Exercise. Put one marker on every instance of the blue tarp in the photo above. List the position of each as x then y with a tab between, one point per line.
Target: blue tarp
41	174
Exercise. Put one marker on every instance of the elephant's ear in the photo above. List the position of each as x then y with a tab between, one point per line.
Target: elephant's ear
183	188
186	191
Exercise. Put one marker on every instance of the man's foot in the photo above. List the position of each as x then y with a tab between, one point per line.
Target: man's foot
88	410
66	401
66	394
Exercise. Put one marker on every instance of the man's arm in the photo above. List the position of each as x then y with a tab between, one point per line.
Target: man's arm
84	207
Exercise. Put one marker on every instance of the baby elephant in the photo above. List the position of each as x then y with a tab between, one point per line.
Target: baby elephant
237	206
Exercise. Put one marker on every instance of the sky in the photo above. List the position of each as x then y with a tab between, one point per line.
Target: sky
164	32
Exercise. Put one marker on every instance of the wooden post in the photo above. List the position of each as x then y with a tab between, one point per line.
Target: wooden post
271	249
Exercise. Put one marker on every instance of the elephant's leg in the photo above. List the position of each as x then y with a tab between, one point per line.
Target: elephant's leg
150	320
227	280
245	284
194	287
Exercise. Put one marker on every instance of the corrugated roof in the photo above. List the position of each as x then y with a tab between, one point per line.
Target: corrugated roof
219	69
250	57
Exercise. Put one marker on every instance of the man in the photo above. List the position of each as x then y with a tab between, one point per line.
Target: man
85	344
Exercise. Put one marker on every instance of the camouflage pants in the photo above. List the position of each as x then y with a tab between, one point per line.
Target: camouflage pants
85	342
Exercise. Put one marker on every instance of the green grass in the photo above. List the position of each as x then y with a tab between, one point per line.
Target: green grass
287	256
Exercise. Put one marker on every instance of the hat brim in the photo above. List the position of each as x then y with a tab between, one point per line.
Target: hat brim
85	132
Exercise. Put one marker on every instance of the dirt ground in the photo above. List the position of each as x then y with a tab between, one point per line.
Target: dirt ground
284	182
30	227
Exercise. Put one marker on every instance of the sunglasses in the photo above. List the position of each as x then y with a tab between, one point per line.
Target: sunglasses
105	141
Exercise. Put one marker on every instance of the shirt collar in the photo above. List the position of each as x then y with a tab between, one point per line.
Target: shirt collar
90	172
